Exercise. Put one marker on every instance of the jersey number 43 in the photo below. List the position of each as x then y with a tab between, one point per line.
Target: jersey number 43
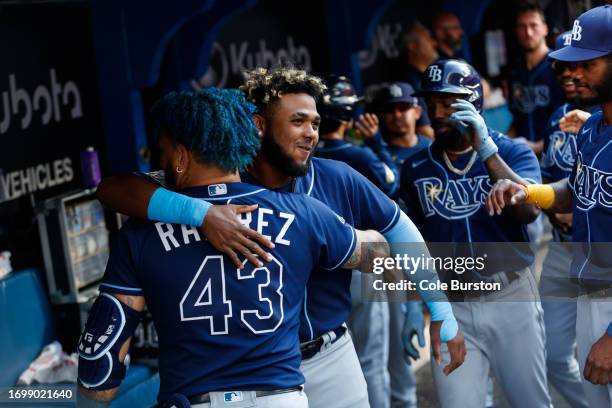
209	286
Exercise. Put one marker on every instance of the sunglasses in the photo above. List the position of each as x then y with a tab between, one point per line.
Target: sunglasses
401	106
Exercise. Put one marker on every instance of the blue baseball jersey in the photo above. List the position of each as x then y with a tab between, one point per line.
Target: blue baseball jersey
364	160
533	96
450	208
400	154
559	148
219	327
591	184
349	194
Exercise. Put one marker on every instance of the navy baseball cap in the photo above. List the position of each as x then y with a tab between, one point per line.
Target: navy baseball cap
591	36
396	92
563	40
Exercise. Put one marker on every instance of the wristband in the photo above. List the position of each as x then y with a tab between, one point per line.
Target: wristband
542	195
487	149
174	208
444	312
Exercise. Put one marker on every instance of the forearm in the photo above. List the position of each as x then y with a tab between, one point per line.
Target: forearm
127	194
497	168
563	197
370	245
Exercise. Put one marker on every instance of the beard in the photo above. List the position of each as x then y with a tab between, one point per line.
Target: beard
602	89
450	140
276	155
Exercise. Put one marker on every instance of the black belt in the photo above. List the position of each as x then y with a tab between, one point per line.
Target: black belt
596	291
310	348
205	397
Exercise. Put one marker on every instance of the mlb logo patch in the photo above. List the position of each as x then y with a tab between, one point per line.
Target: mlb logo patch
217	190
232	396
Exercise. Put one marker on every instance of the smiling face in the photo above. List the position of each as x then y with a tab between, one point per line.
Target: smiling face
291	132
400	118
593	80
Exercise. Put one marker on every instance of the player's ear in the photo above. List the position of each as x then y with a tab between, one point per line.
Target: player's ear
418	111
260	122
183	156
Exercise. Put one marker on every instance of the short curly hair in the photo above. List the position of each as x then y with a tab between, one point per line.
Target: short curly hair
264	86
216	124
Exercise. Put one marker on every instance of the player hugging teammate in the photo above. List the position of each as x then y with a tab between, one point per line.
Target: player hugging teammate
242	248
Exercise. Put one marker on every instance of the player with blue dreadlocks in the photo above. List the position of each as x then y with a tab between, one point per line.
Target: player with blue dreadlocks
225	334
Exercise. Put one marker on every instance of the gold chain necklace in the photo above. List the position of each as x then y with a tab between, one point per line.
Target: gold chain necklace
455	170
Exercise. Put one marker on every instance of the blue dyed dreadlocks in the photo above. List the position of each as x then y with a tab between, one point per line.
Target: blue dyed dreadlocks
216	124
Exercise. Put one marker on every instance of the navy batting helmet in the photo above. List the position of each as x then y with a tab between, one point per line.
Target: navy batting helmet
340	100
454	77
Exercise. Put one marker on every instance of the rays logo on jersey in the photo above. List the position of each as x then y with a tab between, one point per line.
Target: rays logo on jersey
591	186
526	99
458	199
561	151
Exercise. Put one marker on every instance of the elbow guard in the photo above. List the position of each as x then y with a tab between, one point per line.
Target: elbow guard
109	325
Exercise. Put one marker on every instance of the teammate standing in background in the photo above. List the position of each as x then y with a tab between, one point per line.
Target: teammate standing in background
200	303
399	112
586	192
286	115
338	109
531	87
445	187
419	51
448	33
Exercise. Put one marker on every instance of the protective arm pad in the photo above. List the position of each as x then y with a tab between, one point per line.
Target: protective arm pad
403	233
109	325
542	195
174	208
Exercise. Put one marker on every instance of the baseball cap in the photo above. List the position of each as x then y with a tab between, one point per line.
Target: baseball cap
563	40
396	92
591	36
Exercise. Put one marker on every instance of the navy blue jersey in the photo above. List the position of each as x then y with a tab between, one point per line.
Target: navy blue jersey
361	204
559	148
450	208
533	96
400	154
591	184
350	195
364	160
219	327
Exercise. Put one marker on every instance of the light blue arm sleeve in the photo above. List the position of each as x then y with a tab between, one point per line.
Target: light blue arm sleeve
404	238
174	208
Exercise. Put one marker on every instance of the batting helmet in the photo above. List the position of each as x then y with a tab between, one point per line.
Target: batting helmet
454	77
340	100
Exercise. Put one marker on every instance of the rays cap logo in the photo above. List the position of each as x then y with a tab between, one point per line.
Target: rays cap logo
395	91
435	73
591	37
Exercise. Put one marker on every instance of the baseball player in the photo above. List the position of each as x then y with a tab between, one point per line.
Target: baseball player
531	87
337	110
586	192
445	187
286	115
368	321
560	316
227	335
399	111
